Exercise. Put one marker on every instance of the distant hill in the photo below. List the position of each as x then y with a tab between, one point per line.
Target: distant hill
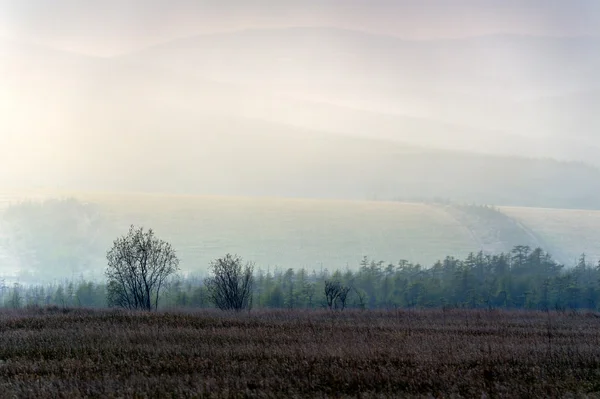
478	83
267	159
67	239
573	112
531	65
343	81
306	112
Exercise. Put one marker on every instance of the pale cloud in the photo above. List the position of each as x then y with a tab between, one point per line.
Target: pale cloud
84	121
107	27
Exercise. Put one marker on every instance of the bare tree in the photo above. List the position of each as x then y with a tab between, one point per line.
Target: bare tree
342	296
331	292
138	267
336	294
230	287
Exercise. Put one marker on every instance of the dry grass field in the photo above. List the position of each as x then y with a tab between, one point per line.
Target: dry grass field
453	353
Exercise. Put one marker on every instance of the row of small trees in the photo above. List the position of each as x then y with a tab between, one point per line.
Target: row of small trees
139	265
142	270
524	278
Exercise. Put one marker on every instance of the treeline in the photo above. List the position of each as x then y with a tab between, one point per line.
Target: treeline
524	278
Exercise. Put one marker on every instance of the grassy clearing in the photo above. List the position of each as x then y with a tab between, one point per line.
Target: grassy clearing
455	353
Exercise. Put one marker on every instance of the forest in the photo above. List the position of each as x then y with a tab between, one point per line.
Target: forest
524	278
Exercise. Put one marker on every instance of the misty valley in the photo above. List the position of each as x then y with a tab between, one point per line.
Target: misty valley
157	322
389	254
326	198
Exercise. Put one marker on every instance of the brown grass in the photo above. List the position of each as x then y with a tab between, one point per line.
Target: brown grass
55	353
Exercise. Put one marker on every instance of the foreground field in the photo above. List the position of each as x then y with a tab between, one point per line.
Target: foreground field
454	353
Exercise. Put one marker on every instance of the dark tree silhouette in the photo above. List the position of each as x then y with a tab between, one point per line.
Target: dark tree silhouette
138	267
336	294
230	287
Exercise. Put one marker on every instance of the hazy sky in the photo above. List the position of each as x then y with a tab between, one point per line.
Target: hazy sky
107	27
71	120
304	112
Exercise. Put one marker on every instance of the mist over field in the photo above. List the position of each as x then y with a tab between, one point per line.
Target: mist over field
101	97
486	102
285	198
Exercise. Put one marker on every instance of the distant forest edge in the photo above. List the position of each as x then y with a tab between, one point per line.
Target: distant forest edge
50	240
524	278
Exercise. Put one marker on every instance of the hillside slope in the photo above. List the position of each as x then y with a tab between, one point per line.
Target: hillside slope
229	156
303	112
292	232
483	86
571	231
280	233
284	233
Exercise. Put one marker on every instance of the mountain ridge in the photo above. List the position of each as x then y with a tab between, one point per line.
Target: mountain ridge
92	116
359	33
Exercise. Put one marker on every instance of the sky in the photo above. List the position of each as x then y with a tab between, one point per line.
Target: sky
110	27
321	113
497	95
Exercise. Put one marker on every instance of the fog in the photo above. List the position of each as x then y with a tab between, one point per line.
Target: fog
273	98
431	103
113	26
